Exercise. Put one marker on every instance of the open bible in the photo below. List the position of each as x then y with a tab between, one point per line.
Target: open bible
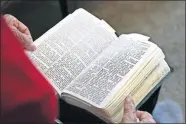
92	68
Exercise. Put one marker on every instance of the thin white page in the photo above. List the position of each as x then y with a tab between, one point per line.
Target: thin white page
96	83
107	26
69	47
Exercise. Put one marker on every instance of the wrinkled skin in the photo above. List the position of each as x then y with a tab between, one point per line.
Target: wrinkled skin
133	116
20	31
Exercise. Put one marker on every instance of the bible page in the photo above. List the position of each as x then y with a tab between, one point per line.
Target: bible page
69	47
119	61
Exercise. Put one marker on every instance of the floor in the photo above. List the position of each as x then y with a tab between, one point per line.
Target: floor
163	21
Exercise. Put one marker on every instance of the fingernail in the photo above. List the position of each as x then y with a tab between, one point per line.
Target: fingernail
31	38
32	47
128	98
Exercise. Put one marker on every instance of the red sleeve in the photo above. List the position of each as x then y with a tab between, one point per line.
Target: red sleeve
26	96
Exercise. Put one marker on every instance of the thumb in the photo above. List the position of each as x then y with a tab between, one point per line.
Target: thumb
129	111
25	40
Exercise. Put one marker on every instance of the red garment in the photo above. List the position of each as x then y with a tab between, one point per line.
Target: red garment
26	96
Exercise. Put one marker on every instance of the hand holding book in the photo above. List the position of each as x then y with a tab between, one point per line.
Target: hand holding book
20	31
131	115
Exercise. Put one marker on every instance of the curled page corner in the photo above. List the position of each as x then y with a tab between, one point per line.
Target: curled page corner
137	36
107	26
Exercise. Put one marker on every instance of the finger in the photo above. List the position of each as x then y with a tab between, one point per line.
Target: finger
13	21
143	115
24	40
23	28
129	111
9	19
148	120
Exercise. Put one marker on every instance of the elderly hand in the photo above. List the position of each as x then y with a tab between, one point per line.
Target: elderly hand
133	116
21	32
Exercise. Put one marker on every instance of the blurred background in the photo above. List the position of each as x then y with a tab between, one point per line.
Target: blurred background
163	21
